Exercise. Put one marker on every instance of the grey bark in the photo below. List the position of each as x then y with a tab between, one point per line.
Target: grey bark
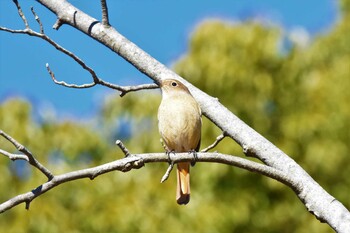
318	202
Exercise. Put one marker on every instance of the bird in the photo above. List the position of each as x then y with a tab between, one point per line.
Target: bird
180	124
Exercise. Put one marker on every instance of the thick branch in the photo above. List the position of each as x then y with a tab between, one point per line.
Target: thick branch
316	199
136	161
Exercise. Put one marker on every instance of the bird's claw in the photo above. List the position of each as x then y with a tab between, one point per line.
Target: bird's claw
169	159
195	157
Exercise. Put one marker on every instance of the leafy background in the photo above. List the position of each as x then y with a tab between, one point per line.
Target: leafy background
295	94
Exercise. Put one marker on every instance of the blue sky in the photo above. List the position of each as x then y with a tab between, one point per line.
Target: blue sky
160	27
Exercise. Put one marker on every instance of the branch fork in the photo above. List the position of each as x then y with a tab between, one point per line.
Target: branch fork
278	165
129	162
96	80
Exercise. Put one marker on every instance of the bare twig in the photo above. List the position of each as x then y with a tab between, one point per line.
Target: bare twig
96	80
123	148
30	158
57	24
217	141
318	201
63	83
167	173
127	89
38	20
135	161
105	20
20	12
14	157
123	89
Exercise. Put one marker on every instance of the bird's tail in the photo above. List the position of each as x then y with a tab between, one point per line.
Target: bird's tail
183	183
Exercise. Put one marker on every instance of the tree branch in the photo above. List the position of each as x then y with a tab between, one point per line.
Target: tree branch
96	80
215	143
318	202
167	173
136	161
14	157
123	89
315	198
28	156
20	12
123	148
105	20
38	20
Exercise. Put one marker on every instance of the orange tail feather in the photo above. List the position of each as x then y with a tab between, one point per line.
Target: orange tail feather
183	183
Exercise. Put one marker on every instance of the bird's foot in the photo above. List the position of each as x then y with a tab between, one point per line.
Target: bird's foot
169	159
195	157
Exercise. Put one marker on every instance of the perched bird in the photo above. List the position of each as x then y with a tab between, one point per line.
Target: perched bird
180	123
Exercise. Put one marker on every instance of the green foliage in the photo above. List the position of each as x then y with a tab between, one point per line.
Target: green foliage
345	6
297	99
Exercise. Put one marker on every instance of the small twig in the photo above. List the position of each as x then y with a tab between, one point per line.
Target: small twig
30	158
217	141
127	89
27	205
57	24
20	12
123	89
105	20
123	148
14	157
96	80
38	20
63	83
167	173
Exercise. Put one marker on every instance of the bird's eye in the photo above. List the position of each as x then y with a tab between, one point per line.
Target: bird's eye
174	84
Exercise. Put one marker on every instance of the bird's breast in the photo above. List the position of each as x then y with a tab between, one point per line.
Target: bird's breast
180	123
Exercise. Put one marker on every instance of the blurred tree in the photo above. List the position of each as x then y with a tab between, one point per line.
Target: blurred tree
296	98
345	7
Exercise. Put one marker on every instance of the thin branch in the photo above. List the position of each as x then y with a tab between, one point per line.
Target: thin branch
38	20
313	196
137	161
14	157
167	173
105	20
123	89
63	83
20	12
96	80
30	157
127	89
57	24
60	179
217	141
123	148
